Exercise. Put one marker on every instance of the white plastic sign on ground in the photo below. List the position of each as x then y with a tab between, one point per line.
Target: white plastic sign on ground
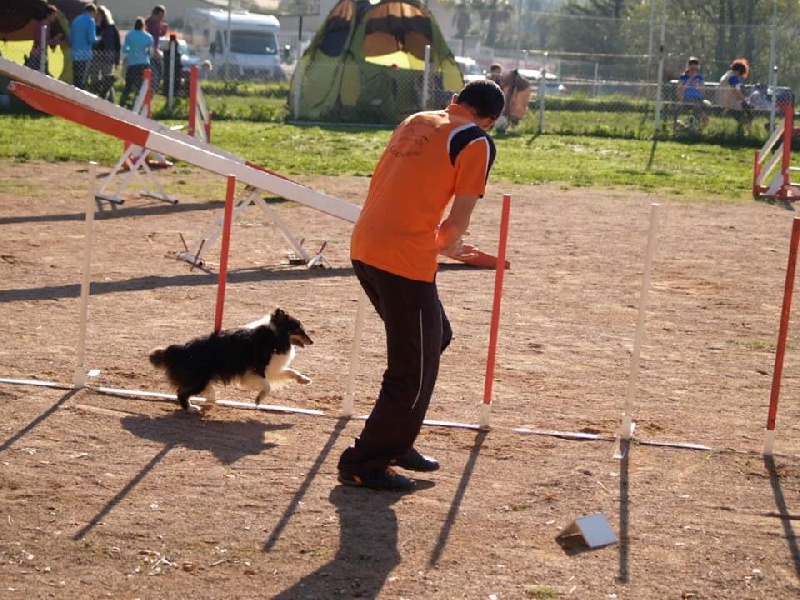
591	531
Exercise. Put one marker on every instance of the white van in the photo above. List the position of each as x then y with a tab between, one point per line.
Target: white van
253	52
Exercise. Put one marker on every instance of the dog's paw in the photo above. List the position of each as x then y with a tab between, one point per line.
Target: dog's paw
206	408
193	410
303	380
260	398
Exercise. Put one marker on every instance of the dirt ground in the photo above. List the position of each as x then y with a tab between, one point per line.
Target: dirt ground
121	496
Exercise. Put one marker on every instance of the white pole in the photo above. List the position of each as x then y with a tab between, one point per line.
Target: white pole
173	50
298	87
43	50
773	68
426	77
659	83
228	44
542	91
80	369
650	36
769	442
348	403
518	45
627	419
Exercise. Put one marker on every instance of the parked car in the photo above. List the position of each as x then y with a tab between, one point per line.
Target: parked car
470	70
552	84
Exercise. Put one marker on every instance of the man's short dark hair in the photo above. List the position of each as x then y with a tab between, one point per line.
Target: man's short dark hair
484	97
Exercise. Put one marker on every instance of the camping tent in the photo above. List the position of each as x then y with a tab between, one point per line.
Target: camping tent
366	64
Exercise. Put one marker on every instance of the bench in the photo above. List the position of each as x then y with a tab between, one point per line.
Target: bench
698	114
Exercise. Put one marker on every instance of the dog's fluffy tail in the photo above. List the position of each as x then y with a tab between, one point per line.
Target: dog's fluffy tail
158	356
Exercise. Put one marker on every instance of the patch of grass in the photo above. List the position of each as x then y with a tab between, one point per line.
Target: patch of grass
759	345
688	172
541	592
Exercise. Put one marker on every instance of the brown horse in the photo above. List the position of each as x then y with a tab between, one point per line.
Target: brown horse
18	17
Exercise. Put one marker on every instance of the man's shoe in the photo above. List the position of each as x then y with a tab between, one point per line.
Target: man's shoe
390	480
414	461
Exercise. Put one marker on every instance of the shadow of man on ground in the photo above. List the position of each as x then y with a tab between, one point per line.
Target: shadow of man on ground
367	548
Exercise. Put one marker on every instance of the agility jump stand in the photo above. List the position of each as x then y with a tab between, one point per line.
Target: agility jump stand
775	166
193	255
199	115
135	159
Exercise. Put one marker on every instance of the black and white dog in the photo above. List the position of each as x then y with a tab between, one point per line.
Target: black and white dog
257	355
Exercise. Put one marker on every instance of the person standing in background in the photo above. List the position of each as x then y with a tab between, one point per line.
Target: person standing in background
106	56
157	27
137	50
82	38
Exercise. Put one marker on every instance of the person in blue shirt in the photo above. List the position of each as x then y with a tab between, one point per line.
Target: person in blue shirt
82	38
692	90
692	84
137	49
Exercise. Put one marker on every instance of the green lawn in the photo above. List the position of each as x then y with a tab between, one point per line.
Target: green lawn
689	171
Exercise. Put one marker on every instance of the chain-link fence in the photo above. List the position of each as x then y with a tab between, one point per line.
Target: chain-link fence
587	75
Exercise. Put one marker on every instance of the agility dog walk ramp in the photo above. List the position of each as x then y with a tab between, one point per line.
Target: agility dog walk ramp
63	100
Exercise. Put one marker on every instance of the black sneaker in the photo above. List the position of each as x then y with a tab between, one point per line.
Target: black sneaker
390	480
414	461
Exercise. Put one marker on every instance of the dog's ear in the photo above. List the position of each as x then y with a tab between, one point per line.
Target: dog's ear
279	315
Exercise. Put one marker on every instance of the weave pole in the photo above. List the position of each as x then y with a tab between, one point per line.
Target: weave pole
224	251
348	402
79	379
627	416
780	351
500	269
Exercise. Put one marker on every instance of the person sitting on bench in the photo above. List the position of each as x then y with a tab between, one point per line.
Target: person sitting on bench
730	93
692	89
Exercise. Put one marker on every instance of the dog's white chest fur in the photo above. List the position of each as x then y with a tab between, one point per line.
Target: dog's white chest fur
277	365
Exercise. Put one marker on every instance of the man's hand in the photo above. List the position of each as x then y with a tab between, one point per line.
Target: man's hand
460	251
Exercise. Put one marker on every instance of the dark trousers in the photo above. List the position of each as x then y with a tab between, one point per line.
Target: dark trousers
134	78
80	73
417	332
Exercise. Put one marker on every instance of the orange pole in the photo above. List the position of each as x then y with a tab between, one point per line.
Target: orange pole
224	251
500	270
148	77
784	326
